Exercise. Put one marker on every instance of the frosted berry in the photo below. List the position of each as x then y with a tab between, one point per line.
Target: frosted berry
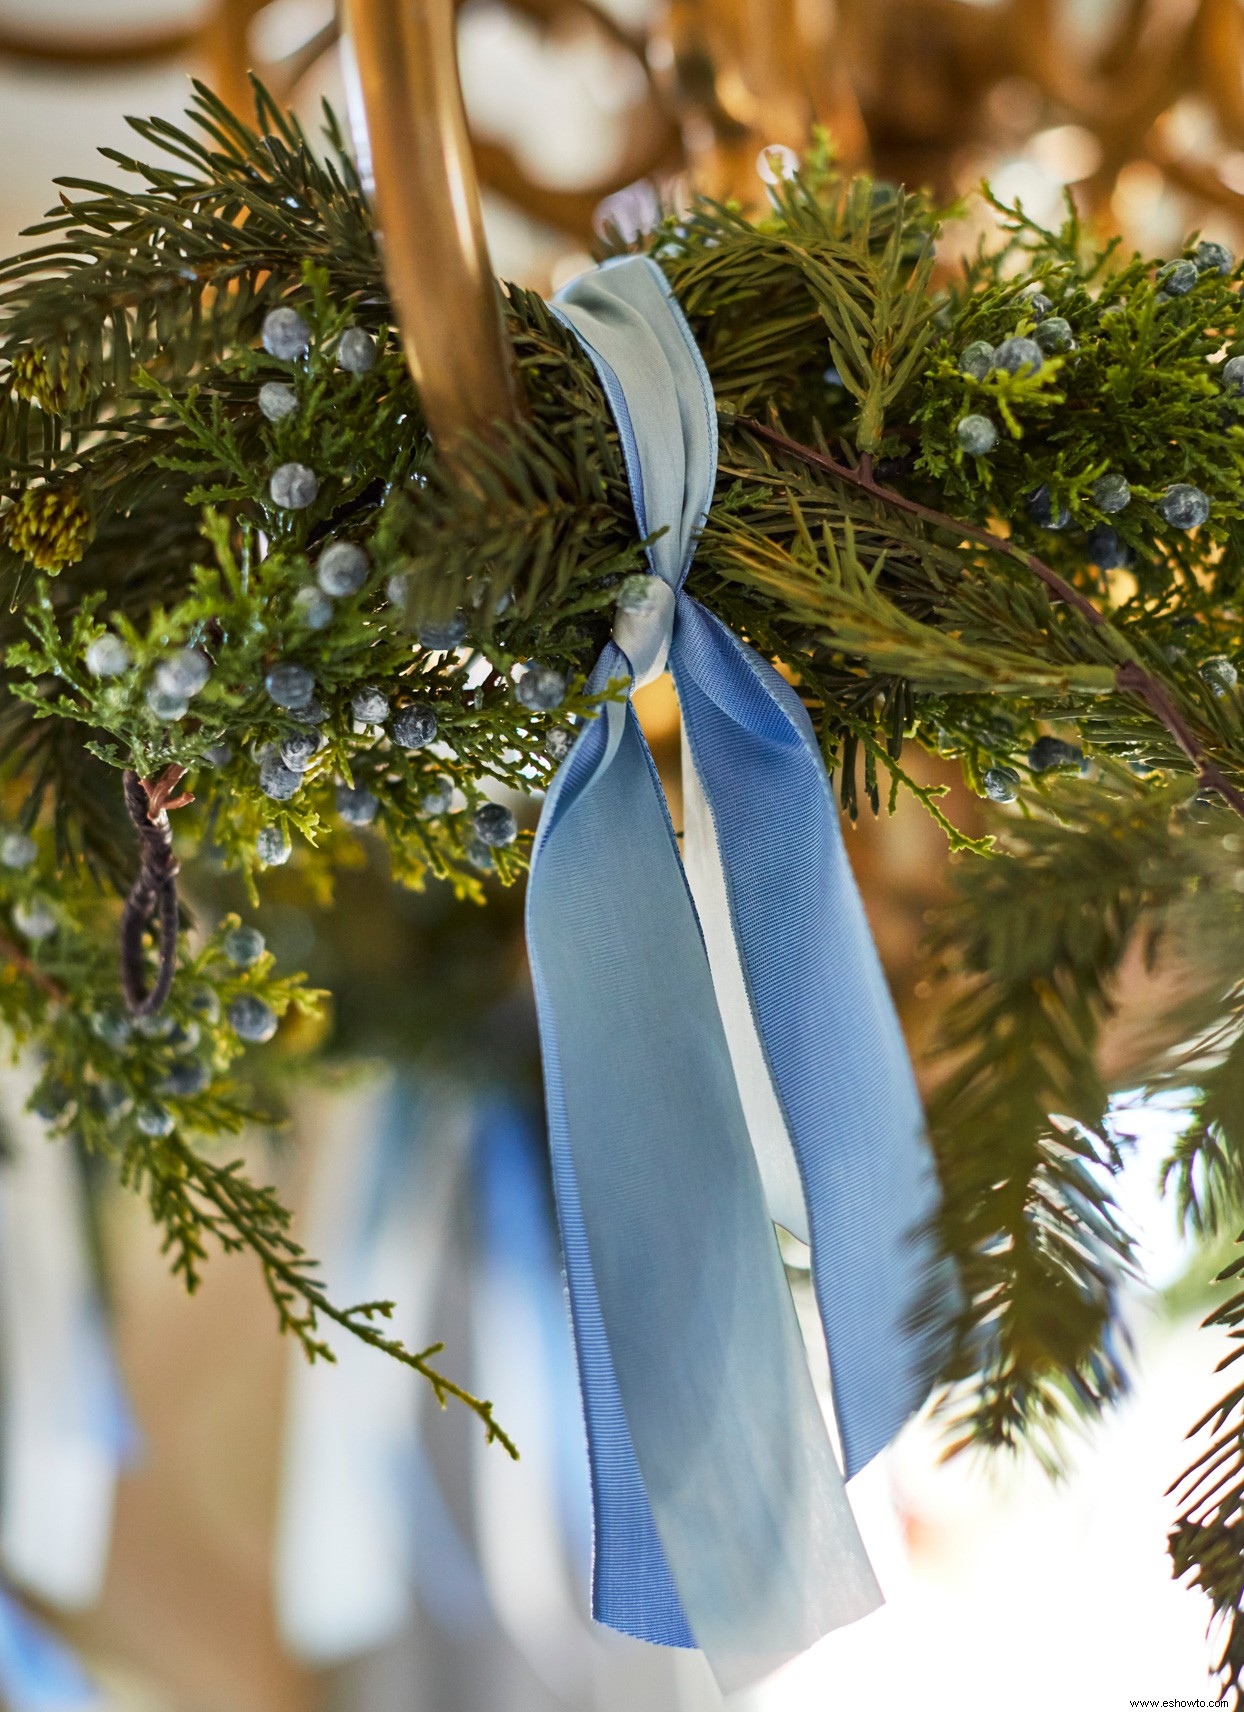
479	855
243	946
1037	304
1111	493
112	1098
356	806
1001	784
206	1002
440	637
341	569
252	1018
183	1081
289	684
113	1027
300	748
1045	513
34	919
314	608
1178	278
310	713
1184	506
52	1101
1050	752
976	434
1019	356
167	707
1054	334
293	487
153	1119
495	825
356	351
17	850
1209	257
183	673
107	657
397	589
285	334
219	755
277	401
437	800
278	781
369	705
541	689
1107	549
558	744
1232	375
976	359
184	1036
1220	674
413	727
157	1027
272	847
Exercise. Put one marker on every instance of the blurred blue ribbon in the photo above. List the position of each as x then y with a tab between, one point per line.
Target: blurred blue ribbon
712	1065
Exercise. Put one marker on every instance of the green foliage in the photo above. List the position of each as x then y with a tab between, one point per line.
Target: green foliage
912	590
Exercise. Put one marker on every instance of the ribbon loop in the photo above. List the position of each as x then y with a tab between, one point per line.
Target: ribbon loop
704	1076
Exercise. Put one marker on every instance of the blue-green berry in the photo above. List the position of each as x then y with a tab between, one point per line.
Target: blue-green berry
153	1119
113	1099
107	657
293	487
285	334
183	1081
289	684
166	707
1111	493
184	1036
277	401
437	800
1048	753
356	351
1184	506
1178	278
278	781
1209	257
183	673
369	705
559	743
1019	356
34	919
1220	674
157	1027
300	748
309	713
440	637
17	850
495	824
243	946
541	689
479	855
356	806
976	434
976	359
341	569
252	1018
1045	513
219	755
1232	375
1107	549
314	608
205	1002
272	846
1054	334
1037	304
413	727
1001	784
112	1026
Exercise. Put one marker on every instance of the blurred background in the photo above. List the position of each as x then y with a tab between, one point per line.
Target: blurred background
283	1538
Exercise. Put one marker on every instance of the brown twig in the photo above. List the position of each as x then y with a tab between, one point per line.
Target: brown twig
17	957
1131	677
155	889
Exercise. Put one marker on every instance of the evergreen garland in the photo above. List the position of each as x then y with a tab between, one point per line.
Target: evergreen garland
1001	518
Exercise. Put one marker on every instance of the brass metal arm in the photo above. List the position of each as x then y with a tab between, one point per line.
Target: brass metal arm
427	197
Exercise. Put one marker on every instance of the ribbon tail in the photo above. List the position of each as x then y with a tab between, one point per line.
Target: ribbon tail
720	1510
823	1013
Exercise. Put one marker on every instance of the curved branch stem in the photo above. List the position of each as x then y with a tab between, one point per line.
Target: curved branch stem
1132	677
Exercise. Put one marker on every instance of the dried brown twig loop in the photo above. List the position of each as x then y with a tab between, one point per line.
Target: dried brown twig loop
155	889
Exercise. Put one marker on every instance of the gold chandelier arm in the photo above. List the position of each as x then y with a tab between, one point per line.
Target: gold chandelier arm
427	197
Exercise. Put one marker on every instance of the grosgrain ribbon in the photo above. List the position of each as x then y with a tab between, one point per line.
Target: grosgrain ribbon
721	1518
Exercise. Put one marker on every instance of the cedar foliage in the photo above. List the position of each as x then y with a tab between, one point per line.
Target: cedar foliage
974	606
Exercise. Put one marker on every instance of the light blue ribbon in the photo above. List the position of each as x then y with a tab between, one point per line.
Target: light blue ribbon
721	1519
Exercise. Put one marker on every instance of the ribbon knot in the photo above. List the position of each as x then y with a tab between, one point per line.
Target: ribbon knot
720	1052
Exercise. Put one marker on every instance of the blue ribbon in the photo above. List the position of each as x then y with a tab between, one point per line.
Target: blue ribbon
721	1518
